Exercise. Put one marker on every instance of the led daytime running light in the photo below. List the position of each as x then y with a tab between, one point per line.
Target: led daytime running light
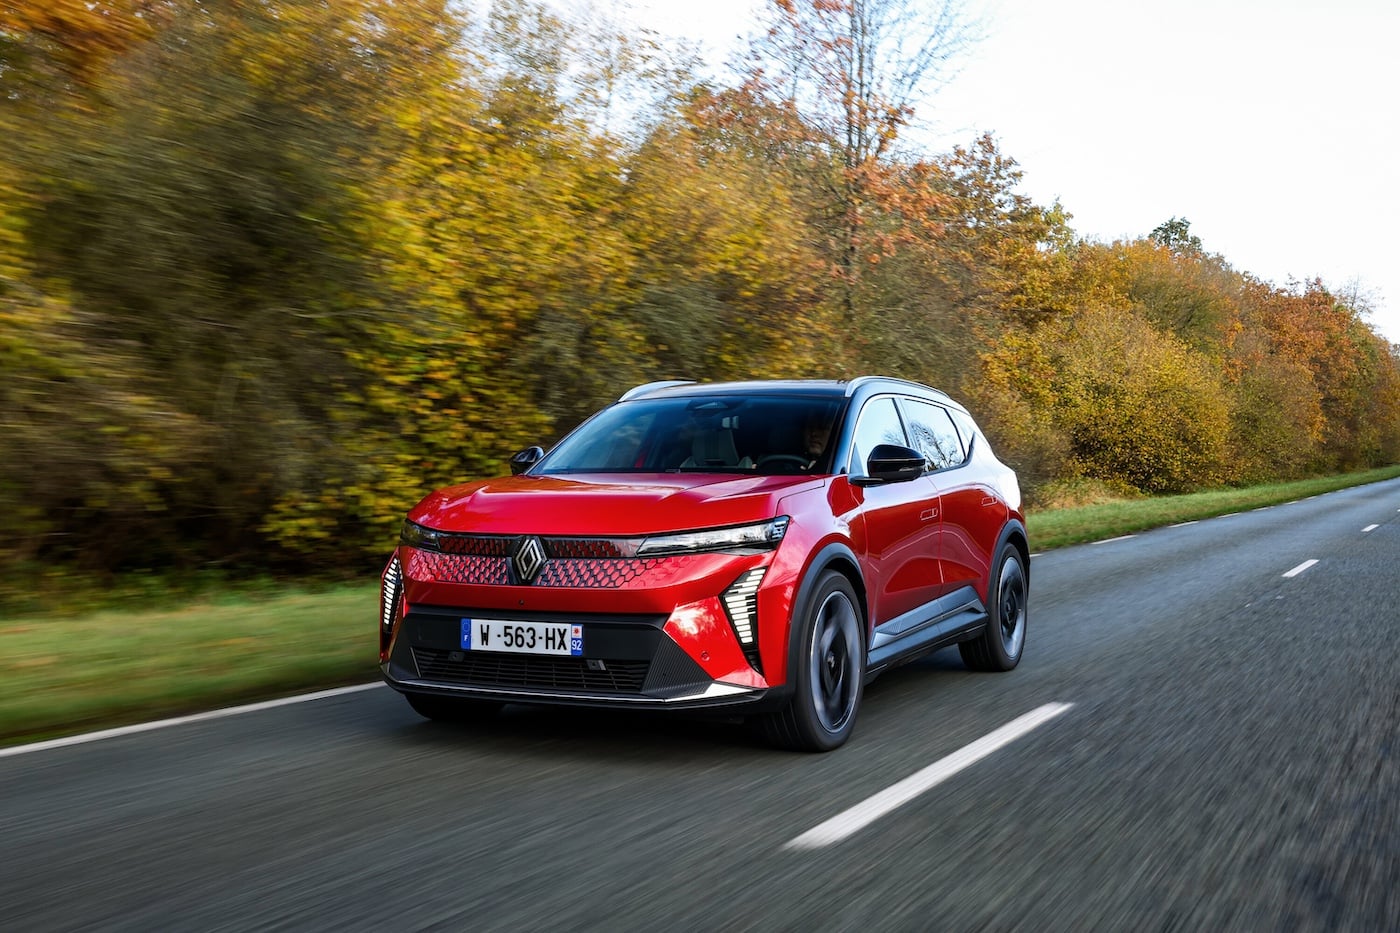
741	602
389	594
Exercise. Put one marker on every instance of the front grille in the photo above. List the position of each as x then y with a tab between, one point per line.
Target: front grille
582	548
539	672
452	568
604	573
598	574
475	545
467	545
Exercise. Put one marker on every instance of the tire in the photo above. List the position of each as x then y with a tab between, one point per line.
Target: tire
451	709
828	672
999	648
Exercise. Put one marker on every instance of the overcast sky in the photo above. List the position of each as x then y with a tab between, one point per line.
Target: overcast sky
1271	125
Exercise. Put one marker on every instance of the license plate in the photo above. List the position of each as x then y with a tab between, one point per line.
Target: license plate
522	637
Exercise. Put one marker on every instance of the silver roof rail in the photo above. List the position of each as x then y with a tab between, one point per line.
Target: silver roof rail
858	381
650	386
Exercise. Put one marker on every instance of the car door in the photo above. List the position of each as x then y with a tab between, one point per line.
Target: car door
973	514
894	523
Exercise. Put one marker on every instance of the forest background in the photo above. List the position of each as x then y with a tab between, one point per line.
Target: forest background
270	270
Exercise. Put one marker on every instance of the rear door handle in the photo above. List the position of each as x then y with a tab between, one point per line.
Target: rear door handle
988	501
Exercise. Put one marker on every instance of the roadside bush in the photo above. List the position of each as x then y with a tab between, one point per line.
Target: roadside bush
1133	405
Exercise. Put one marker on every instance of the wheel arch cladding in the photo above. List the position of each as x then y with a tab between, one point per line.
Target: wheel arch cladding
841	559
1015	534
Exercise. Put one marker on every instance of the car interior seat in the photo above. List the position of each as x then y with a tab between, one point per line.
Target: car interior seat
715	448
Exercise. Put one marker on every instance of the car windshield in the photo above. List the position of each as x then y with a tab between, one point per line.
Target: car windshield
766	435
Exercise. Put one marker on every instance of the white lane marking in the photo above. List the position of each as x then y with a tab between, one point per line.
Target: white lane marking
1194	521
1369	528
1119	538
181	720
871	809
1262	508
1300	568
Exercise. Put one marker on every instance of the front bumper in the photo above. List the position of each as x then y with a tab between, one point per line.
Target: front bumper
630	661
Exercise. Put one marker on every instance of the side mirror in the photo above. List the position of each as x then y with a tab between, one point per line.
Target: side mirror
525	459
893	463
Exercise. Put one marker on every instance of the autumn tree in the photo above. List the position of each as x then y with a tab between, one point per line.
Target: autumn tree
725	273
49	46
1188	292
1322	333
979	257
201	212
853	70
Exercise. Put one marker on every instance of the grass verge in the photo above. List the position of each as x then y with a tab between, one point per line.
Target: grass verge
68	673
71	674
1062	527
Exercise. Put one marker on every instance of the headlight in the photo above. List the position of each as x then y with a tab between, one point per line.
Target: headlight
762	537
415	535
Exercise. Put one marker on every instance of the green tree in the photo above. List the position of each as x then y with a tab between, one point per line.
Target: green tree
1175	234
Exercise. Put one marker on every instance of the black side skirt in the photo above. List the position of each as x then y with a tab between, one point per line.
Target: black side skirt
953	618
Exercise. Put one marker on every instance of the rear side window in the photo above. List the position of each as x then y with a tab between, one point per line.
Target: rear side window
966	428
932	431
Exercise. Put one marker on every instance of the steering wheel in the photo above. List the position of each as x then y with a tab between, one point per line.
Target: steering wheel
791	459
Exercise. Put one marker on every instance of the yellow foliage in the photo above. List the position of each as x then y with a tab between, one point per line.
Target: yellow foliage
1128	403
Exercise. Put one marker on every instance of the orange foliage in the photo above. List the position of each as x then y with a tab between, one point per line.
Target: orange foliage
80	36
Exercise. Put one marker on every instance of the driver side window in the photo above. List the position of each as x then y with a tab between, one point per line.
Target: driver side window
878	424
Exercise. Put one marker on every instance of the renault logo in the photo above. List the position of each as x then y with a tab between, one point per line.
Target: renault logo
528	559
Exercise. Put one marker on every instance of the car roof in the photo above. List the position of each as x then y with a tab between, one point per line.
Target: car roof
828	388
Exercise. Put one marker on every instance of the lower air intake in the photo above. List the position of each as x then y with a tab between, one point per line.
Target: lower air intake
486	669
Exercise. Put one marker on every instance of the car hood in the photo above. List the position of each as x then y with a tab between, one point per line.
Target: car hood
605	505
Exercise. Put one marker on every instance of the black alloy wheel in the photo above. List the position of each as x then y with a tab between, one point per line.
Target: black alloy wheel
829	677
999	648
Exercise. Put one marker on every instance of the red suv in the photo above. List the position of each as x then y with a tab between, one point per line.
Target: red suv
762	546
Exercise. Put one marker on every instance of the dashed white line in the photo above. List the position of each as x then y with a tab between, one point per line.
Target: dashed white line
1300	568
868	811
1194	521
1119	538
181	720
1369	528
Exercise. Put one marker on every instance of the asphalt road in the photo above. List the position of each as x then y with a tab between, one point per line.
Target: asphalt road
1231	760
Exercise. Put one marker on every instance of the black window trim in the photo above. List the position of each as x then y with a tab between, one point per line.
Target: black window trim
850	440
906	417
